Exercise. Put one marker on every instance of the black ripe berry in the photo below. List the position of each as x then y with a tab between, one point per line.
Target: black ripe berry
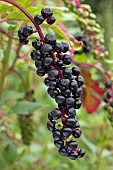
71	145
46	49
66	93
46	12
81	153
60	99
51	20
40	72
78	92
53	74
66	131
70	101
66	47
80	80
53	93
71	112
46	81
57	135
27	30
54	115
70	122
59	143
47	61
50	39
73	155
75	71
77	133
38	19
36	44
59	47
67	73
107	84
67	59
50	125
73	85
35	55
63	151
78	104
23	41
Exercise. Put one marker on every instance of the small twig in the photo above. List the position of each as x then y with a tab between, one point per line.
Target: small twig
8	35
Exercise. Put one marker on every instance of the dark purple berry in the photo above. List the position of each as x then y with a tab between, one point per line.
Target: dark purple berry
67	73
46	49
60	99
53	74
66	47
50	125
109	94
71	145
63	151
59	63
75	71
73	85
53	93
80	80
77	133
40	72
59	47
51	20
77	104
66	93
54	114
47	61
52	85
23	41
36	44
59	143
57	135
27	30
78	92
70	122
73	155
35	55
81	153
65	83
70	101
50	39
108	84
71	112
66	132
46	81
46	12
38	19
67	59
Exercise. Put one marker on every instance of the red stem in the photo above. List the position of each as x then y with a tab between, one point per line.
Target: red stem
8	35
29	16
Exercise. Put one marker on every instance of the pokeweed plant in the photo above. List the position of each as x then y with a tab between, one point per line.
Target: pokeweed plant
52	60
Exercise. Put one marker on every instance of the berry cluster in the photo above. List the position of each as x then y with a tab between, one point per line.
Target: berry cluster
64	85
108	99
86	48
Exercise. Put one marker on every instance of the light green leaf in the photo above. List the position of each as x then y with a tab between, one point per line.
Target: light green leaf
25	107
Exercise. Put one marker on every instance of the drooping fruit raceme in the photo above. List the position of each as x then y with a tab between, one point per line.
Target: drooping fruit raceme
64	86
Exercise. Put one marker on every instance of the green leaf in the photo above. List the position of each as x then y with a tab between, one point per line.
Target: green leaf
66	35
8	95
10	153
25	107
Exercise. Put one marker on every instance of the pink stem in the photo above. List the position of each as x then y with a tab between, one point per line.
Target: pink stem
29	16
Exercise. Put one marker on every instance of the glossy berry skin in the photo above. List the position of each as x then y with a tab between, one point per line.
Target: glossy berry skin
47	61
38	19
51	20
80	80
63	151
57	135
52	85
78	92
50	125
70	122
35	55
53	74
81	153
60	99
27	30
77	133
59	143
77	104
71	112
50	39
40	72
71	145
65	83
23	41
70	101
73	155
66	131
59	63
66	47
109	94
36	44
59	47
67	73
73	85
75	71
46	81
53	93
46	12
55	114
67	59
66	93
107	84
46	49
